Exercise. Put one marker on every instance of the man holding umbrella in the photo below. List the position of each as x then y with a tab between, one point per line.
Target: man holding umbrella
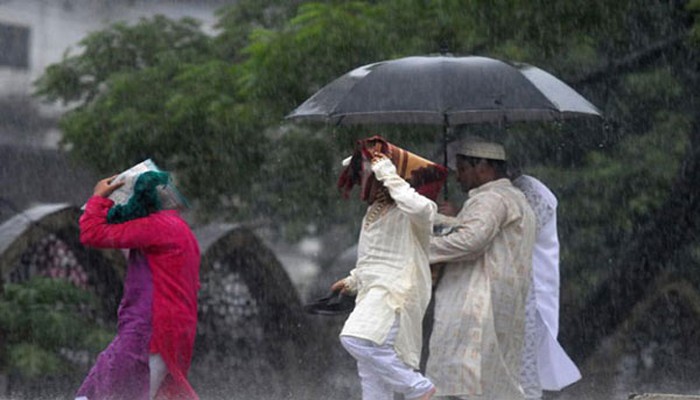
477	337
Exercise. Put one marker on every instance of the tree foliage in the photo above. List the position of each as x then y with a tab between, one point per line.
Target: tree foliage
43	317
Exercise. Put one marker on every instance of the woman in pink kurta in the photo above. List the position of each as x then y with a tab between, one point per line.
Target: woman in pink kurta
172	253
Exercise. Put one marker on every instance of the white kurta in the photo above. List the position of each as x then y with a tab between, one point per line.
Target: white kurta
392	275
476	342
555	368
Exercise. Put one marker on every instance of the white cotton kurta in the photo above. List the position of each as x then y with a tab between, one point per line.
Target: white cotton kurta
392	275
477	337
555	368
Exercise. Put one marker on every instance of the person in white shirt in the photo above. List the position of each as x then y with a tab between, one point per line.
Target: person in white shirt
476	343
392	276
546	366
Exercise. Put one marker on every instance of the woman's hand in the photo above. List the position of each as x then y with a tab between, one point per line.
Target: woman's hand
105	187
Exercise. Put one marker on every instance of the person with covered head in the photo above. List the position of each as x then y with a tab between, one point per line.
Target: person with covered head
546	366
392	278
157	319
477	336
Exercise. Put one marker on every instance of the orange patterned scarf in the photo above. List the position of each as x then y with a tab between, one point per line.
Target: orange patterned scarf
425	176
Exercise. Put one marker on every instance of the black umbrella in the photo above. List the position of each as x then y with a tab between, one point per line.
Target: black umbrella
446	91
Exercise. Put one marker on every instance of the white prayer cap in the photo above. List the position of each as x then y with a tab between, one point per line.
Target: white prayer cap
482	149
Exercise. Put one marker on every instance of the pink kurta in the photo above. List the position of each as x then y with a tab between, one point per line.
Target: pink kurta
173	254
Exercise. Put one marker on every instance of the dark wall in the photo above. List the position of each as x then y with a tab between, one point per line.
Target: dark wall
31	175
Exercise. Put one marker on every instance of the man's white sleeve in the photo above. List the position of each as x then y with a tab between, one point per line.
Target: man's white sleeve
420	209
480	223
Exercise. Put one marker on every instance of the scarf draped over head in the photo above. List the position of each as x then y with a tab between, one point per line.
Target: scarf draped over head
145	199
425	176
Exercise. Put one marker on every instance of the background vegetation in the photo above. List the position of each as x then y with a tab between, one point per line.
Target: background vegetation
49	332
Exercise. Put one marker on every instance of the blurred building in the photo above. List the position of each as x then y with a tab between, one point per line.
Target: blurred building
33	35
36	33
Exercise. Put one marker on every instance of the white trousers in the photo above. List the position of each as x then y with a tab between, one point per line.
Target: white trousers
382	372
158	372
529	373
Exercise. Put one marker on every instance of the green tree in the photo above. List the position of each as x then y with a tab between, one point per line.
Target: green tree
43	322
158	89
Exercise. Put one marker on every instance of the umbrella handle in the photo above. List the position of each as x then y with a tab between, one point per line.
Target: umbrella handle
444	153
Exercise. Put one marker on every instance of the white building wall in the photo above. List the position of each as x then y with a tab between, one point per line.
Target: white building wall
58	25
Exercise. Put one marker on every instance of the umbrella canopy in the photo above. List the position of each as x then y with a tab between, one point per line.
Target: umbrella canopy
444	90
